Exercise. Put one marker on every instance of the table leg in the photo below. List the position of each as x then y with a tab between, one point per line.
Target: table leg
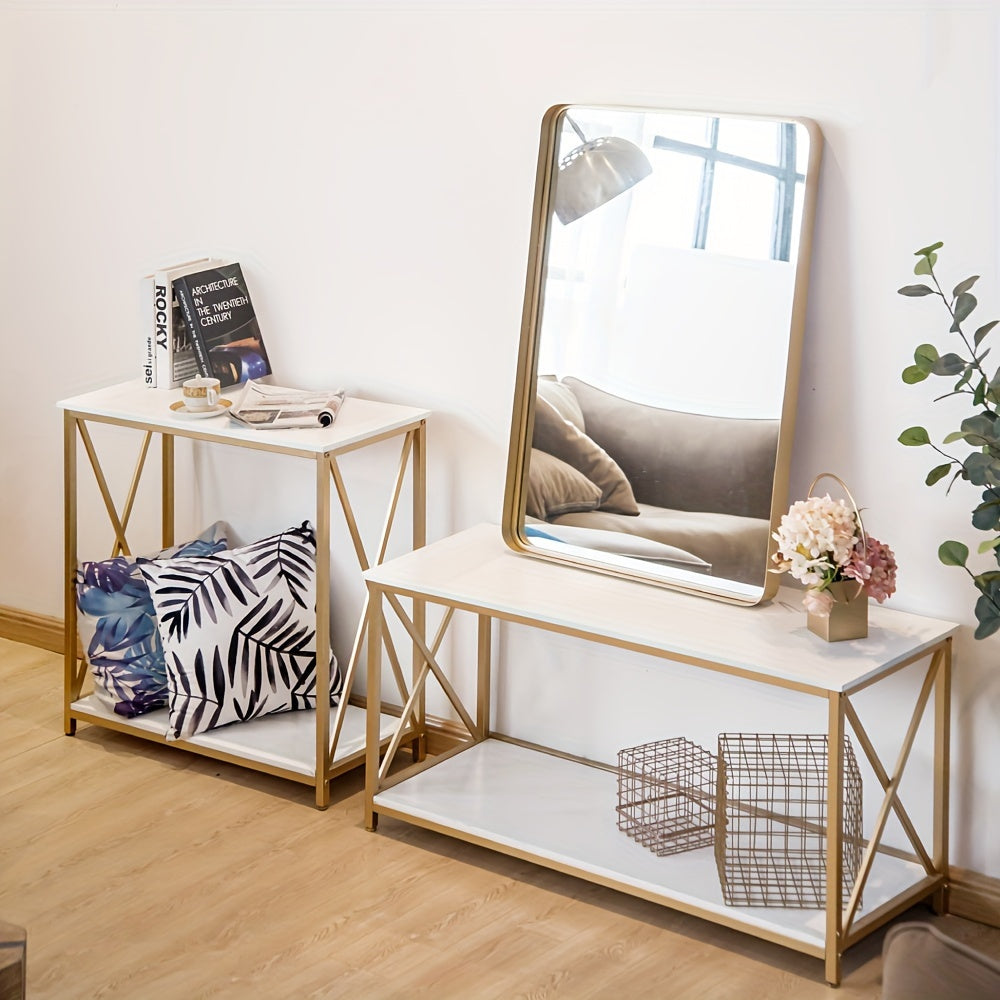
69	571
167	495
323	633
376	622
834	836
418	471
942	770
483	683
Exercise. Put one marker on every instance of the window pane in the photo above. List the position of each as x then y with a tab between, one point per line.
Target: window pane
741	219
684	128
751	139
665	204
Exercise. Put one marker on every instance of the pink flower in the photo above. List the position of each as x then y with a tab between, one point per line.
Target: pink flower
818	602
820	541
880	580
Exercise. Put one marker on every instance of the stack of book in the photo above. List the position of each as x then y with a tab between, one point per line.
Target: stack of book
200	321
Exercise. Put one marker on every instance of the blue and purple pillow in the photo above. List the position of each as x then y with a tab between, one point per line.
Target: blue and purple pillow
117	625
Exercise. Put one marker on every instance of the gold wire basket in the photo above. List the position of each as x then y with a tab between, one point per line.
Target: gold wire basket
771	819
666	795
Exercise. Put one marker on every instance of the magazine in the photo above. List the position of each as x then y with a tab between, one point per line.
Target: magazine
275	406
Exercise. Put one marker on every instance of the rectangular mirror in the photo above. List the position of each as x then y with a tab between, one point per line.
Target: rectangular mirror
660	344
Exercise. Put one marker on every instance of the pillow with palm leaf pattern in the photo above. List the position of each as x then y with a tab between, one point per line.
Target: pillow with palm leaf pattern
116	623
239	632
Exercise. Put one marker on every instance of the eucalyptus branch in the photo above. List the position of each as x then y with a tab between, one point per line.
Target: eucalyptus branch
957	324
980	430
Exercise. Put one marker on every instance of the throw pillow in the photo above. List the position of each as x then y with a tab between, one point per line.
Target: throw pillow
555	487
116	623
239	632
564	440
561	396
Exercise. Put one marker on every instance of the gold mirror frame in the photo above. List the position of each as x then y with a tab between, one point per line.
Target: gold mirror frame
523	419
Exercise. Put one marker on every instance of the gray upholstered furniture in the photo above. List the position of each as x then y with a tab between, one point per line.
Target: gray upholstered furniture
700	484
919	962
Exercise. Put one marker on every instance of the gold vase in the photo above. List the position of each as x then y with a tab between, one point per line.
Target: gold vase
848	618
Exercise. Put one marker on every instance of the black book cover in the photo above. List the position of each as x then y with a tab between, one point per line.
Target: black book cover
220	317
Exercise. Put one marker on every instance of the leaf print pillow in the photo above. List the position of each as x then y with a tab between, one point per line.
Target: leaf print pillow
239	632
116	623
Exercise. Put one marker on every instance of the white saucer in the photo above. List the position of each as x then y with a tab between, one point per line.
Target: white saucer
180	408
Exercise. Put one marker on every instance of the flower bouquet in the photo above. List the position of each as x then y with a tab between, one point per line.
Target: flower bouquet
823	544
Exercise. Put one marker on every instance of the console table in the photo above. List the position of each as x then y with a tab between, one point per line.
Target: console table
540	804
310	747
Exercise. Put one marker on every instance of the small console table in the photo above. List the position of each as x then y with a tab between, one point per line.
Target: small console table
537	803
310	747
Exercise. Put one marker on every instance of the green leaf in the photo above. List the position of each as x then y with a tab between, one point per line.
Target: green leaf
986	517
990	543
964	286
978	429
925	356
914	436
926	264
979	395
925	251
937	473
987	610
954	436
964	305
915	291
989	621
988	583
914	374
983	330
953	553
948	364
981	469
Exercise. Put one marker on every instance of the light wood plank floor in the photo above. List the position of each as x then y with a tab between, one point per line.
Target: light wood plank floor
145	872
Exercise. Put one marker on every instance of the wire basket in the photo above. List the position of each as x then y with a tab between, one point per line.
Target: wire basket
666	795
770	838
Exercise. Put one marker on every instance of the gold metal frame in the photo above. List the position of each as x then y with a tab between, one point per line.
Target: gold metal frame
522	422
844	926
412	457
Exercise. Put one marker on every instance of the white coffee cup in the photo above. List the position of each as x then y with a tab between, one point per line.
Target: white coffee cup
201	393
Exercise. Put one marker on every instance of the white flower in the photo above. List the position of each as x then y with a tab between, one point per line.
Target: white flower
815	538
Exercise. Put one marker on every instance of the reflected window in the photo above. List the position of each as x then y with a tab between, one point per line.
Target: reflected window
741	179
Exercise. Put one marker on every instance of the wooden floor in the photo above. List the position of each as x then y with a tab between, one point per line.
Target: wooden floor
145	872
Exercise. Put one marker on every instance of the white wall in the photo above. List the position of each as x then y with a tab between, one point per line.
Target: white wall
372	166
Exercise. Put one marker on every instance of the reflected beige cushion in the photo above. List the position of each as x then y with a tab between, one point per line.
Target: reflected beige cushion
564	440
561	396
555	488
735	546
921	963
684	461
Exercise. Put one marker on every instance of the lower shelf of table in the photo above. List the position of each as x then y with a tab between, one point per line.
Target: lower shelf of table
280	744
561	814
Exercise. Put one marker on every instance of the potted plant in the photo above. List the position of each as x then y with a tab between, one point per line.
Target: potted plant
980	430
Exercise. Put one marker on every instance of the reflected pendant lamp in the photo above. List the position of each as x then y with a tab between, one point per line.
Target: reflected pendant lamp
594	173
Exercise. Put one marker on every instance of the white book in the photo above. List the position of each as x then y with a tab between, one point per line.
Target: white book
174	356
147	363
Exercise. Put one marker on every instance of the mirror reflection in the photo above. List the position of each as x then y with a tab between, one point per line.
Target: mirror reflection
663	313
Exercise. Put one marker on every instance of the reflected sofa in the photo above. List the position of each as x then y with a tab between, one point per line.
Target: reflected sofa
662	485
